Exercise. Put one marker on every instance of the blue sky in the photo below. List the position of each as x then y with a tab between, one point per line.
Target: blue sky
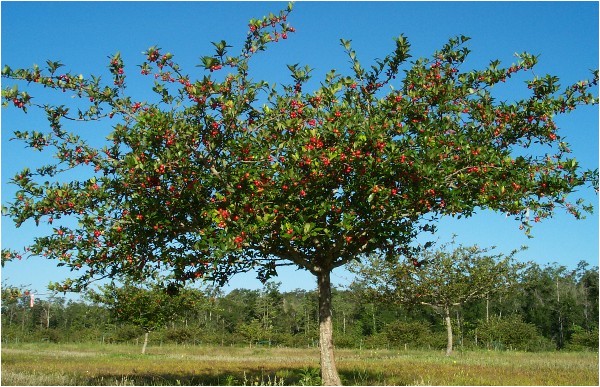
83	34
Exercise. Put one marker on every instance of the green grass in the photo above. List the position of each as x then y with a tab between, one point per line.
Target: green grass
93	364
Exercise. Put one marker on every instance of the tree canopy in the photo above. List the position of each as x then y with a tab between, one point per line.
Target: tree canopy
346	169
148	308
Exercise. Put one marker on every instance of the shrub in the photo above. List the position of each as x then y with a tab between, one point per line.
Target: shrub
583	340
126	333
50	335
349	339
179	335
376	341
511	333
413	334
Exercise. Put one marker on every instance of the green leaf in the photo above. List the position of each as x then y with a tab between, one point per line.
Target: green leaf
346	44
307	228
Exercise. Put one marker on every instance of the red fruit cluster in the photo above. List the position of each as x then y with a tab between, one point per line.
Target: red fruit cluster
215	67
18	103
153	55
314	143
239	240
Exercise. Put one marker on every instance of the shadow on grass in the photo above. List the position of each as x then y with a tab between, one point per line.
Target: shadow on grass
307	376
364	377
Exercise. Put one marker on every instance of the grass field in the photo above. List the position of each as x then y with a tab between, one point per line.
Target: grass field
89	364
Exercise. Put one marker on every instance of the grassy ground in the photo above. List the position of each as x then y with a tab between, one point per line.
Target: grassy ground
89	364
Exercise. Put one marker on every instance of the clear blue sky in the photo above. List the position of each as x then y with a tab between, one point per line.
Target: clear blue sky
83	34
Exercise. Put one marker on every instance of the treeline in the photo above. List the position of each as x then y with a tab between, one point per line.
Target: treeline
550	307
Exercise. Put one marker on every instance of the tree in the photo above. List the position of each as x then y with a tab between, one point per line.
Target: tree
13	300
557	299
441	279
588	287
225	174
145	308
268	308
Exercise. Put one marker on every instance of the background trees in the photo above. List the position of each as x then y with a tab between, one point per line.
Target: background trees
443	279
550	294
511	322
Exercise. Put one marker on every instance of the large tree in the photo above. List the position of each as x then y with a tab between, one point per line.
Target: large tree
225	174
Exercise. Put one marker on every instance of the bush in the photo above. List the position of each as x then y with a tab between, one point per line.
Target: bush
126	333
511	333
14	334
49	335
376	341
349	339
414	334
82	335
583	340
300	340
179	335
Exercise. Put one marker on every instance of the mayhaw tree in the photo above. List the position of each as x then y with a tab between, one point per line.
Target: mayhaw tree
146	307
443	279
224	174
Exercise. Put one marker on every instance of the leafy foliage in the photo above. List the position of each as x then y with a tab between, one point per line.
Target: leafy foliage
443	278
511	333
148	309
313	178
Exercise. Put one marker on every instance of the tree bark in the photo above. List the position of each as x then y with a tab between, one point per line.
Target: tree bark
449	331
145	342
47	316
329	373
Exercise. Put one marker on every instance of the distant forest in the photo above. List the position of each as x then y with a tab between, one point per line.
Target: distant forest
550	308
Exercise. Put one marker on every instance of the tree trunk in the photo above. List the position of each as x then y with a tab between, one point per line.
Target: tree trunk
560	319
374	321
329	374
449	330
460	330
48	316
145	342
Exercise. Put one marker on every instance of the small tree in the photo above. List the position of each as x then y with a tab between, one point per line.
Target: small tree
225	174
441	279
254	331
147	308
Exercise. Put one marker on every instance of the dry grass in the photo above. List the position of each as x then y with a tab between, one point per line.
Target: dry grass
47	364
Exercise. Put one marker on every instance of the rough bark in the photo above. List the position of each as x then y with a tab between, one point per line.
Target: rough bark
329	373
145	342
449	331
